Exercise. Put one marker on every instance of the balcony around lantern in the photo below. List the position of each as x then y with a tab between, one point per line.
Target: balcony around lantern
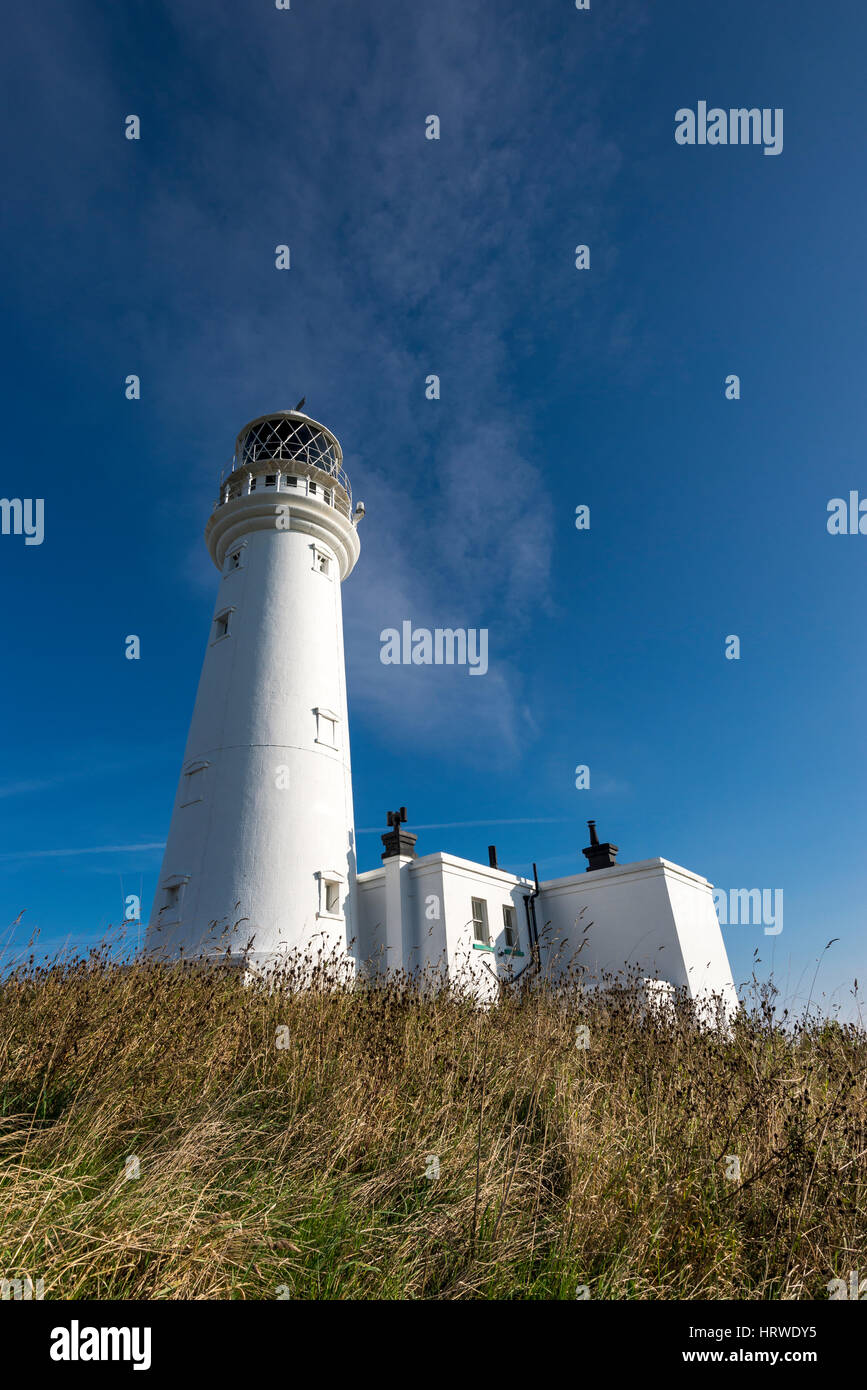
304	480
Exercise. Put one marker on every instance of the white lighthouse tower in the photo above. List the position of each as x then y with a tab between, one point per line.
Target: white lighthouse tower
262	841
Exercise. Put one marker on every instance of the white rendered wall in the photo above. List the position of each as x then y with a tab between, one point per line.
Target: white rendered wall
250	851
621	918
394	933
370	923
701	940
416	915
461	881
652	917
400	916
431	923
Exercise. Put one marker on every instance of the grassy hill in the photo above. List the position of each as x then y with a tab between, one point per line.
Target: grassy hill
372	1143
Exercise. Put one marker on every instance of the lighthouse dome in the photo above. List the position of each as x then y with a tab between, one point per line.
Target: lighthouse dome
288	436
295	446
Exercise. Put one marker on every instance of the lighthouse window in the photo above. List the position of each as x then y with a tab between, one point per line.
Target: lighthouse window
326	493
173	892
270	479
326	728
480	921
193	789
234	560
312	487
290	482
321	561
329	893
221	624
510	926
173	898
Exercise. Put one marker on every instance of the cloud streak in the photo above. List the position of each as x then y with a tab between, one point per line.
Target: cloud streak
462	824
71	853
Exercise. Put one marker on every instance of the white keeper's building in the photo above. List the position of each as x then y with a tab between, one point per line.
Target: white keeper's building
261	845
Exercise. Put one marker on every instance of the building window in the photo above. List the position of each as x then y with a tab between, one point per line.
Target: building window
221	624
173	893
311	487
330	887
510	926
289	482
326	727
233	561
326	493
480	921
270	479
193	788
172	897
321	560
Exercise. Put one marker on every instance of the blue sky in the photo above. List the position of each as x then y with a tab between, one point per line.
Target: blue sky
558	387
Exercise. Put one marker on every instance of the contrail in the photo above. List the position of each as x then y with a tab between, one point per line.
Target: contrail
94	849
460	824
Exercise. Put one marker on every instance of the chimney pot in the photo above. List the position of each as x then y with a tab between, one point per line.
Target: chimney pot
599	856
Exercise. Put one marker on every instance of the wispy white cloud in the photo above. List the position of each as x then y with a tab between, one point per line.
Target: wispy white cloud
89	849
427	262
459	524
89	768
462	824
23	788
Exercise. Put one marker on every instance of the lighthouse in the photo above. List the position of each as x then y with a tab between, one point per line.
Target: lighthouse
261	846
260	862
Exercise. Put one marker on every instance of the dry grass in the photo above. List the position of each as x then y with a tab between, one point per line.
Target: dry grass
303	1169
